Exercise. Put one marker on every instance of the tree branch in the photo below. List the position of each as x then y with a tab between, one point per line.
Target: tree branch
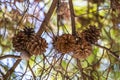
11	70
80	69
111	52
72	17
9	56
31	71
47	17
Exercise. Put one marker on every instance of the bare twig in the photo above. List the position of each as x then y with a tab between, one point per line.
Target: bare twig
31	71
23	15
80	68
11	70
111	52
25	71
47	17
66	72
10	56
105	9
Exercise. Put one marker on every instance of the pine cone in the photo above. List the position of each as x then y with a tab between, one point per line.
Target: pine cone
91	34
19	41
36	45
28	31
64	43
28	41
83	49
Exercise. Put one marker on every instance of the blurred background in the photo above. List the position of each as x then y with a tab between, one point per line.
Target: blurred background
102	64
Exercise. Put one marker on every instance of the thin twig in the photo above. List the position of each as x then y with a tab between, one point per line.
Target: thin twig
24	72
66	70
11	70
22	18
81	69
58	19
9	56
111	52
31	71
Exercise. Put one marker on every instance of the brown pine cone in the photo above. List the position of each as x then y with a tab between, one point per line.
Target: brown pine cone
91	34
83	49
36	45
19	41
64	43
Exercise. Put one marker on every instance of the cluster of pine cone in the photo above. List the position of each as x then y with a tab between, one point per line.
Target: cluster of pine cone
27	41
80	46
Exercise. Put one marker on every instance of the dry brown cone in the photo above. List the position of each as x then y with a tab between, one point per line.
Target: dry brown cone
28	41
91	34
115	5
19	41
83	49
64	43
36	45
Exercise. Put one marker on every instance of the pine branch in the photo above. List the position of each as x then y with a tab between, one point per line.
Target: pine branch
80	69
31	71
11	70
10	56
47	17
72	17
111	52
